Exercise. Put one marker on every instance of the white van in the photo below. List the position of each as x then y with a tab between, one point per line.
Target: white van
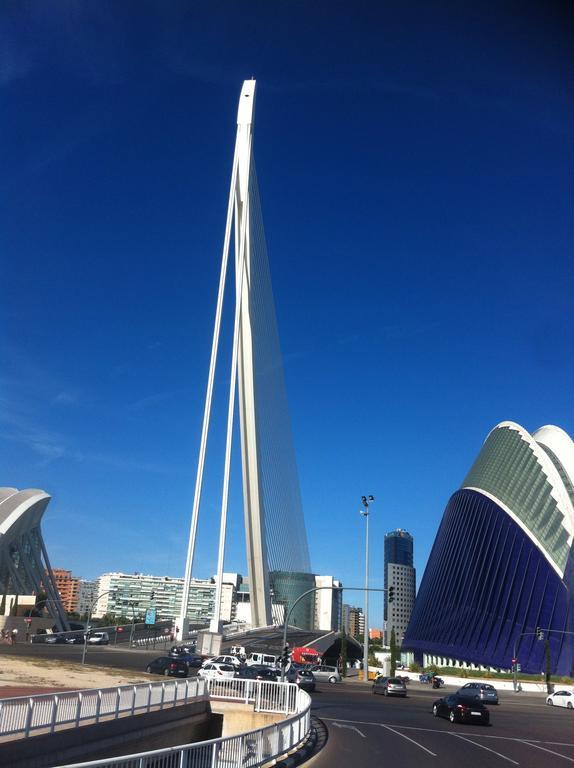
265	659
98	638
238	650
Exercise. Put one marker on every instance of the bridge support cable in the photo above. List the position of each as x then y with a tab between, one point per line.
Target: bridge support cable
182	626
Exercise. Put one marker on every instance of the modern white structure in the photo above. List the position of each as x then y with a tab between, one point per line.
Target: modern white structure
328	604
24	564
274	527
131	594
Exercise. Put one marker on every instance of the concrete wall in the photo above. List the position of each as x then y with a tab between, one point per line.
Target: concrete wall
239	718
152	730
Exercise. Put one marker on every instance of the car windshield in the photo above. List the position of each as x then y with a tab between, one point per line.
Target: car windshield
395	681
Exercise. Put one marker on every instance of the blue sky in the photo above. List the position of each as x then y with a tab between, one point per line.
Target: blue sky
416	164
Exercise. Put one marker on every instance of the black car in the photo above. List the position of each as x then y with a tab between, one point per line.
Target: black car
178	650
168	666
458	709
191	659
256	672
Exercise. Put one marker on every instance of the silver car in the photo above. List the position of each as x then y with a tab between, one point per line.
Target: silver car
389	686
479	692
330	674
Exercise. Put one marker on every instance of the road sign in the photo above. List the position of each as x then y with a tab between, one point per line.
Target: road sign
150	615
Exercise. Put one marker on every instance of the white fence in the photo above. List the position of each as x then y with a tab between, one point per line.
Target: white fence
246	750
23	716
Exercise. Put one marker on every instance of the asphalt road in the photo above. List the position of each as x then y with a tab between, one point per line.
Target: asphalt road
101	656
367	730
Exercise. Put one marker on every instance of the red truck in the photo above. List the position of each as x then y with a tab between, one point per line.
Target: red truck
305	656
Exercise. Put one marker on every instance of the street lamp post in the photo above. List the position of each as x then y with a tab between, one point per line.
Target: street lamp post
91	608
366	501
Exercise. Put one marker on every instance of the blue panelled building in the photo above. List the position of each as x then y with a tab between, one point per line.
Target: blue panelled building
500	575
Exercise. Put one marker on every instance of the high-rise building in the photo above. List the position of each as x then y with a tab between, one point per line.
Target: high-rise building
401	576
353	620
68	586
87	594
499	583
328	604
124	594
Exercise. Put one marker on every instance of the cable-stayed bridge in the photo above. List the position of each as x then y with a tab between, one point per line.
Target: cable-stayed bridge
275	534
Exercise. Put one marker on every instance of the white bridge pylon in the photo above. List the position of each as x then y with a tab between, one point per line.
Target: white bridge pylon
242	378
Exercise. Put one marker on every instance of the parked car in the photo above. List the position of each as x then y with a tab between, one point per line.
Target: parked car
77	637
323	672
168	666
191	659
460	709
303	677
177	650
257	673
55	638
223	660
266	659
479	692
215	671
98	638
561	698
389	686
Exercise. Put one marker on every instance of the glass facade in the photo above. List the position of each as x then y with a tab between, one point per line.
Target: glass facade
286	587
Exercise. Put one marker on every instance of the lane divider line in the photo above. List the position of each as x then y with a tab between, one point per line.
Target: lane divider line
545	749
408	738
488	749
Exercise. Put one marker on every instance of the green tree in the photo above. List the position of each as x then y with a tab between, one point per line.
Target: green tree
395	653
548	666
344	654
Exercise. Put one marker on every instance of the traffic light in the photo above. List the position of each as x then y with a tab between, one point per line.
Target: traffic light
391	594
539	633
285	656
152	594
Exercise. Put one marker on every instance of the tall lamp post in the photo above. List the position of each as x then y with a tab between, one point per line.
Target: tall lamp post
366	501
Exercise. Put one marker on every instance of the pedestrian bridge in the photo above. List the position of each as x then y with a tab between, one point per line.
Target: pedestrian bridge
254	722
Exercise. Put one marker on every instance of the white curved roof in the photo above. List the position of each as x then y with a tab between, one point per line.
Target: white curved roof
20	510
532	478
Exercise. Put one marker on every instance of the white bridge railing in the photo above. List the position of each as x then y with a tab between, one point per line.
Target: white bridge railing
26	715
247	750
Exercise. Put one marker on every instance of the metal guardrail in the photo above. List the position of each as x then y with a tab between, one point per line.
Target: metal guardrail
247	750
25	715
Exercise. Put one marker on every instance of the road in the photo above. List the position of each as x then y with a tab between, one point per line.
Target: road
104	656
367	730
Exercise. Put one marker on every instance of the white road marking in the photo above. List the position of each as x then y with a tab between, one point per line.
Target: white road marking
408	738
350	727
552	752
488	749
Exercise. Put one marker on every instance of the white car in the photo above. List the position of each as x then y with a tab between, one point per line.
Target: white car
223	660
212	671
561	698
